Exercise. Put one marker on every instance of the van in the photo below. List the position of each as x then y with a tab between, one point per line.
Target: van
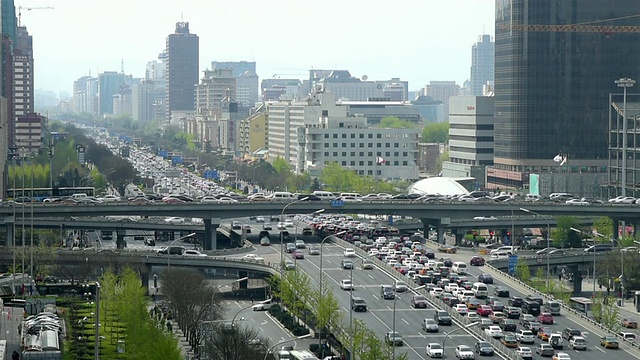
532	198
324	195
530	307
553	307
282	195
459	268
172	250
480	290
79	196
355	195
599	248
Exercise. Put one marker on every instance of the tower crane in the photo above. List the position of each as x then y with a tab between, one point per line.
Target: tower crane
582	27
31	8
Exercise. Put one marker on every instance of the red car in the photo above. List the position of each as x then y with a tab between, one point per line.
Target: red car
545	318
476	261
297	254
484	310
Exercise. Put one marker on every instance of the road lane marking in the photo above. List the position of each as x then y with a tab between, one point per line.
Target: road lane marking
370	276
595	347
405	321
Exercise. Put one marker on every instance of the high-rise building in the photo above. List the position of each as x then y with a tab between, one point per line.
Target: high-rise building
246	80
147	100
482	56
109	83
215	86
182	59
552	87
442	91
9	20
23	93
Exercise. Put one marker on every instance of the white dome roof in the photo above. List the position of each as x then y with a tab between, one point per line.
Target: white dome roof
438	186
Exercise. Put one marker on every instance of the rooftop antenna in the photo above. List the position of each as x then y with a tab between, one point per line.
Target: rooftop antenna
122	66
181	16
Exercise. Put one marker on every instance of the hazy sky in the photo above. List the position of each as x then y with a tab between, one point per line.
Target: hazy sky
416	40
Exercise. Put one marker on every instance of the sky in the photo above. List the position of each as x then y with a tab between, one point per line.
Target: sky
415	40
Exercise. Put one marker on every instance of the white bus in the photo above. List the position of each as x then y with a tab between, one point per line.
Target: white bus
302	355
582	305
3	350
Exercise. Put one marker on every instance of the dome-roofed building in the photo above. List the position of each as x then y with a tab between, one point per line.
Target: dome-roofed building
441	186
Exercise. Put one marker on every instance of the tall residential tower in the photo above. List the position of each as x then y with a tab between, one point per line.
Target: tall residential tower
482	56
182	59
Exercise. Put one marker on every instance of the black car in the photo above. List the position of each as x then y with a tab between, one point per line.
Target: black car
290	247
512	312
386	292
442	317
567	333
508	325
483	348
536	298
515	301
485	278
430	254
501	291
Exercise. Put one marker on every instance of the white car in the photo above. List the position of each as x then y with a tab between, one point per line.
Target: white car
400	286
174	220
263	306
473	316
494	331
346	284
509	250
577	202
578	343
451	287
194	253
349	252
111	198
461	309
562	356
259	218
437	292
464	352
524	352
525	336
435	350
288	223
253	257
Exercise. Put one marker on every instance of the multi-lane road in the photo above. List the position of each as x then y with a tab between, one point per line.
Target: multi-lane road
379	316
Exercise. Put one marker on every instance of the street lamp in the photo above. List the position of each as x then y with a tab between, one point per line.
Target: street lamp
217	289
594	259
624	83
548	238
322	272
171	244
447	334
283	342
282	235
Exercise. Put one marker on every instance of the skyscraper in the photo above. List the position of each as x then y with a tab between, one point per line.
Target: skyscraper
552	87
108	84
182	59
482	56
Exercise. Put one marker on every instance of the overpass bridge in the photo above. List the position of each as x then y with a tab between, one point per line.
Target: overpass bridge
440	215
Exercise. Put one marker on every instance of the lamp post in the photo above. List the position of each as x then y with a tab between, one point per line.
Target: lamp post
217	289
447	334
173	242
96	346
594	255
281	235
284	342
548	239
322	272
624	83
351	307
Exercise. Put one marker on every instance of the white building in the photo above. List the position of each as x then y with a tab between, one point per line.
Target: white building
213	88
482	64
471	144
147	100
442	91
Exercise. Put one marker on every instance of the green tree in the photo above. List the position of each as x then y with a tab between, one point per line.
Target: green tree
281	166
327	310
442	158
606	313
396	123
563	236
603	225
435	132
522	270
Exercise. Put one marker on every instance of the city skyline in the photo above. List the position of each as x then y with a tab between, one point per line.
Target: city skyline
418	41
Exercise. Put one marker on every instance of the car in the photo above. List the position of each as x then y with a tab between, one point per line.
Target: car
346	284
400	286
525	336
496	316
512	312
556	340
253	257
501	291
194	253
578	343
346	264
485	323
508	325
545	318
509	340
629	323
174	220
430	325
609	342
515	301
544	333
497	306
288	264
461	309
358	304
473	316
419	301
386	292
485	278
297	254
472	303
544	350
349	252
442	317
569	333
464	352
449	249
476	261
260	219
494	331
264	241
290	248
561	356
393	338
367	265
300	244
533	326
483	348
435	350
267	226
526	318
524	352
484	310
263	306
314	250
627	336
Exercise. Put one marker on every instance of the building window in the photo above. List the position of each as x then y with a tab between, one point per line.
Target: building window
361	145
335	154
396	154
344	163
369	153
335	144
353	136
326	145
326	153
395	145
326	136
344	145
361	136
325	113
387	154
361	163
370	163
378	136
405	163
353	153
405	153
353	145
335	136
361	154
344	154
370	145
370	136
379	145
395	163
369	172
344	136
352	163
387	145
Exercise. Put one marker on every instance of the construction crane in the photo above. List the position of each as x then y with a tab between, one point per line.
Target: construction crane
582	27
31	8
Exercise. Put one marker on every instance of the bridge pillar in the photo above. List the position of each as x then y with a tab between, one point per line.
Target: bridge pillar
616	229
459	236
120	242
244	283
577	280
425	228
210	235
441	229
11	237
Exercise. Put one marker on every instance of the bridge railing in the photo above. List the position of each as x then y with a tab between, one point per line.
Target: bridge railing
592	322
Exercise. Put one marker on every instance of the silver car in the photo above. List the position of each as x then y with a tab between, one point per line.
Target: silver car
430	325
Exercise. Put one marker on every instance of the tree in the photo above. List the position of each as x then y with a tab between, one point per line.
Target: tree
435	132
226	342
603	225
394	122
606	313
327	310
442	158
522	270
563	236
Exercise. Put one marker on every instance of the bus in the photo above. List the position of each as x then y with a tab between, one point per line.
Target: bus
3	350
582	305
301	355
40	194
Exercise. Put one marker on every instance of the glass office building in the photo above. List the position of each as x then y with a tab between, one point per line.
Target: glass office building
552	86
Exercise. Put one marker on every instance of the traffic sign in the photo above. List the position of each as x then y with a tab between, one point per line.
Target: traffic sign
513	261
337	203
